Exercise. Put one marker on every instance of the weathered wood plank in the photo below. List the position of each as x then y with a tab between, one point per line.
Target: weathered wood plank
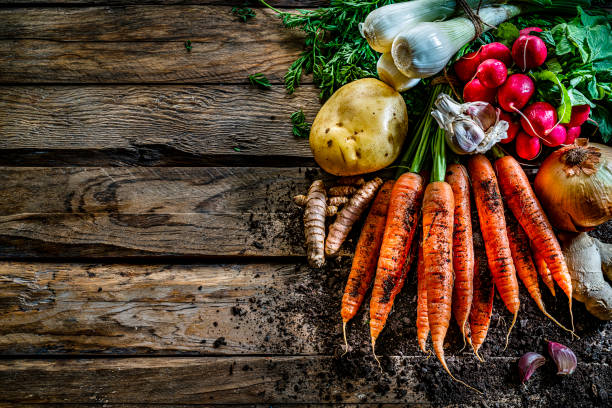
152	125
272	380
110	212
253	4
203	25
155	309
119	49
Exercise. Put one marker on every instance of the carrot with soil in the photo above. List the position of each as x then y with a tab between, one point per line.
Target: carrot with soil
482	306
402	217
422	321
463	247
351	212
527	209
543	270
314	223
366	256
521	254
493	227
438	220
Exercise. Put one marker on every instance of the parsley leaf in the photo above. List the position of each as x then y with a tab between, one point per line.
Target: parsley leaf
301	128
243	13
506	33
188	46
259	80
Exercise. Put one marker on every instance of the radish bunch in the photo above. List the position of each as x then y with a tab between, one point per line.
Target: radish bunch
486	75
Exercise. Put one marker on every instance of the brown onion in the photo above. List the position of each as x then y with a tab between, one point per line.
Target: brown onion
574	185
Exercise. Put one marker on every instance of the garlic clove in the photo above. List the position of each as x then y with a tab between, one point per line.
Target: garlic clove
484	112
564	357
528	363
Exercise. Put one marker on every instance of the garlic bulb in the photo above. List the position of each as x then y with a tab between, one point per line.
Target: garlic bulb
388	73
424	49
472	127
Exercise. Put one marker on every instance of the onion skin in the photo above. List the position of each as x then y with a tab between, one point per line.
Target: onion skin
574	185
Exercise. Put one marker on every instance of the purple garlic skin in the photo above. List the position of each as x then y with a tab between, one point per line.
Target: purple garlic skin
563	356
528	364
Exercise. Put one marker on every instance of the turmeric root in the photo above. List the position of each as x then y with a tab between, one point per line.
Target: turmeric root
330	210
300	200
341	191
351	181
587	258
314	223
337	201
351	212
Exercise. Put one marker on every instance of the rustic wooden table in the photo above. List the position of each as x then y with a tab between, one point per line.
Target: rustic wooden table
150	251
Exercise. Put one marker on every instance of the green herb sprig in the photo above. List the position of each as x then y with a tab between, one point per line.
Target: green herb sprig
188	45
301	128
243	13
259	80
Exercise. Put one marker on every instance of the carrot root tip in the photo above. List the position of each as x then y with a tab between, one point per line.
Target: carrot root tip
478	356
375	356
346	346
510	329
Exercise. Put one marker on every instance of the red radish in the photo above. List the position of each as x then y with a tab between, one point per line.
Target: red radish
538	119
555	137
529	51
513	127
515	92
572	134
496	51
475	91
528	30
580	114
492	73
527	147
466	66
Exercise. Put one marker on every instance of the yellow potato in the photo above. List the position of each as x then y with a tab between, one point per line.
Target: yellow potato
360	129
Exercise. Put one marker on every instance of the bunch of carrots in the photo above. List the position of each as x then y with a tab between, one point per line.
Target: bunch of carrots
449	280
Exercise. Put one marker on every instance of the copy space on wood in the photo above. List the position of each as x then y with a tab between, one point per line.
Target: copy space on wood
137	44
198	125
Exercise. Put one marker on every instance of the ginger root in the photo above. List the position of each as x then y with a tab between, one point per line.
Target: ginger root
351	212
314	223
587	259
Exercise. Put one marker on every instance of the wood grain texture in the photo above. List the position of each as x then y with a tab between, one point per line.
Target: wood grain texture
85	3
142	44
270	380
107	212
156	309
118	125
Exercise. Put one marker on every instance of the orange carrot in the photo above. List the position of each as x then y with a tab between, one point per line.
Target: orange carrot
463	247
482	305
543	270
366	256
521	254
438	214
527	209
493	226
401	224
422	322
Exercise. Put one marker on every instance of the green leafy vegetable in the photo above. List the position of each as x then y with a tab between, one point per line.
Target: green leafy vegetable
259	80
243	13
564	109
506	33
188	45
301	128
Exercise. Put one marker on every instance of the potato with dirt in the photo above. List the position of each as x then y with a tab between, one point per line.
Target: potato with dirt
360	129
